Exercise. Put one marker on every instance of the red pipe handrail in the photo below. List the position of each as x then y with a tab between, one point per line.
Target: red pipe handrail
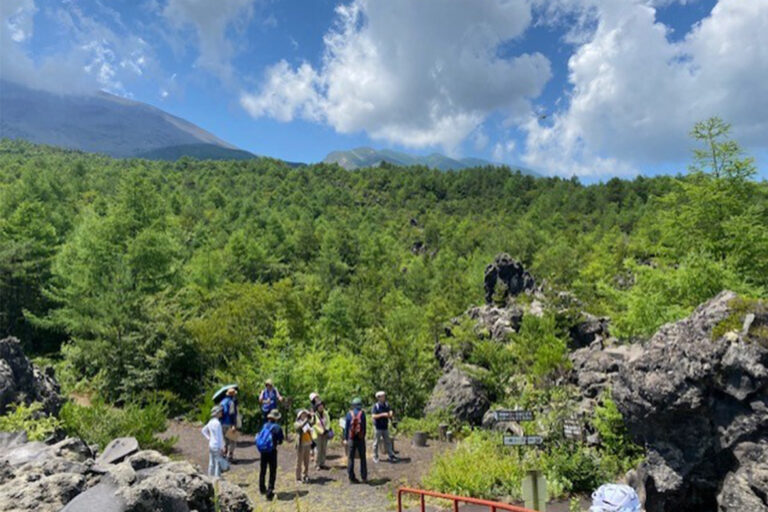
493	505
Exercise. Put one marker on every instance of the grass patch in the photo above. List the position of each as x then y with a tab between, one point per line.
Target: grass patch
100	423
31	419
740	307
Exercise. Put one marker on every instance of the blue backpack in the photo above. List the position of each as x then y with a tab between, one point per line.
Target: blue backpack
264	441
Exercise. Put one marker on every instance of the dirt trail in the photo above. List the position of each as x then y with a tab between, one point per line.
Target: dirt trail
328	490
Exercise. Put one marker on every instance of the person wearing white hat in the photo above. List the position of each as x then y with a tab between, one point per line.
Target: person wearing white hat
212	432
303	427
381	415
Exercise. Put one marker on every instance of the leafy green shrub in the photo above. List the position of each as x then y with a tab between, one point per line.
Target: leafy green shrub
100	423
478	467
576	468
31	419
618	452
429	424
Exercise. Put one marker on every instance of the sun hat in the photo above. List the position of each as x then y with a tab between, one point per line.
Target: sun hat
312	397
215	410
300	413
231	391
274	414
380	394
268	382
357	401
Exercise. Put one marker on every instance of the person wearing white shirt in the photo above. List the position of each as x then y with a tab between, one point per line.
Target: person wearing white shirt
213	433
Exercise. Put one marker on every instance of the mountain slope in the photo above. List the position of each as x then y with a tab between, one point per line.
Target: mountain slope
367	157
103	123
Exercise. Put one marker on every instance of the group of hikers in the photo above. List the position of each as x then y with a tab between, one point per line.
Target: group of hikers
313	430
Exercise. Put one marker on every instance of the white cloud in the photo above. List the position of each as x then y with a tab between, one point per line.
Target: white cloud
211	20
414	73
504	151
636	95
95	57
17	17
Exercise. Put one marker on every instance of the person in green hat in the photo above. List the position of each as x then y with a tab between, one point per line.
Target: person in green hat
354	439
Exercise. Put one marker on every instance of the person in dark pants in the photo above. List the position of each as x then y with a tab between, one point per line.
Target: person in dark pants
354	439
269	457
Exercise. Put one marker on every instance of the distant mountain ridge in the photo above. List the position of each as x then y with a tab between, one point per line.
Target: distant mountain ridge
368	157
104	123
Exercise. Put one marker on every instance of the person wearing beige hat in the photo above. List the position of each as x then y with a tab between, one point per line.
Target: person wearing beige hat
321	433
303	427
269	398
229	423
267	441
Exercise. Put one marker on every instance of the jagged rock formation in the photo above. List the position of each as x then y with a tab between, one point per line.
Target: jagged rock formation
23	382
64	476
458	392
696	395
511	274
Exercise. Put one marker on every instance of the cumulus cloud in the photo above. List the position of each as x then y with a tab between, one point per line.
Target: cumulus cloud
414	73
210	21
635	94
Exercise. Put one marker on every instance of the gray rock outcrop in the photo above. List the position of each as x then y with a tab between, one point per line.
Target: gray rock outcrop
697	398
461	394
510	273
64	476
23	382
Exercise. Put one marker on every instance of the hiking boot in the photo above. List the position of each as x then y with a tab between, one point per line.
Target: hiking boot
375	460
394	459
354	480
270	495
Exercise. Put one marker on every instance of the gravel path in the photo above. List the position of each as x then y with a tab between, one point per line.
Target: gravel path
328	490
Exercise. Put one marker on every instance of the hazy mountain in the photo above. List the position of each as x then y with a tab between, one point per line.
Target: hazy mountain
104	123
368	157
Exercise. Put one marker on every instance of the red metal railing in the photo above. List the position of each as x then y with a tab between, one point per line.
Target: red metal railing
493	505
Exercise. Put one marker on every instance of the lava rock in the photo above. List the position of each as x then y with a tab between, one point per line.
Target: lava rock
460	394
118	449
23	382
511	273
232	498
498	322
699	403
35	477
590	329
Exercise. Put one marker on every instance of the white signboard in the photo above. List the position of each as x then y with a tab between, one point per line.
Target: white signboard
523	440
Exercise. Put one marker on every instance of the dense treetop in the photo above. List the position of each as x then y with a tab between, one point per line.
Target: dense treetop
167	276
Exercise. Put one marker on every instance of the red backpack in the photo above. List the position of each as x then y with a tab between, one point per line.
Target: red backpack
356	427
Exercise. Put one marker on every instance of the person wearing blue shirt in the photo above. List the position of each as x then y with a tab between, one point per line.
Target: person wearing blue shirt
381	415
269	398
269	459
354	439
229	423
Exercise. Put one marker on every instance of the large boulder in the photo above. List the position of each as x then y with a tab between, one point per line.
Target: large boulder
697	398
23	382
461	394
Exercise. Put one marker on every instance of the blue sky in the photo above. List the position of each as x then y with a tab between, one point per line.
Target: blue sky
595	88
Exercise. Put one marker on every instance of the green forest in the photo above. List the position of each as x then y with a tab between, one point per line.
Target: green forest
148	280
